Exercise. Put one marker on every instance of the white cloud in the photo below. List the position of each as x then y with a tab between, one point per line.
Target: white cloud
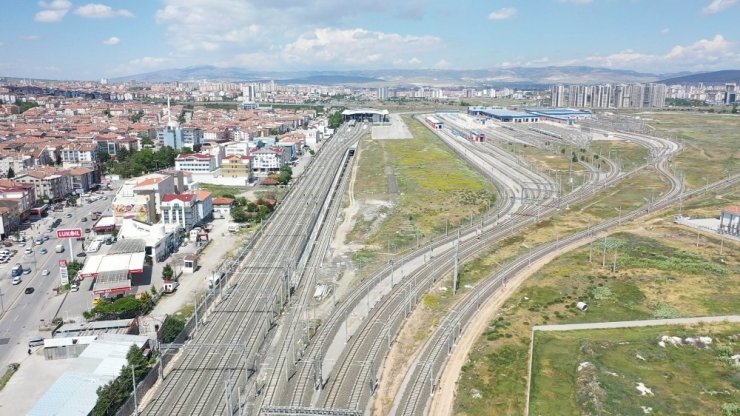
101	11
50	16
665	30
502	14
56	4
442	64
30	38
111	41
245	30
53	11
704	54
717	6
355	47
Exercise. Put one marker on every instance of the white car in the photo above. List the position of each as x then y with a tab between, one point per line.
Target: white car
45	272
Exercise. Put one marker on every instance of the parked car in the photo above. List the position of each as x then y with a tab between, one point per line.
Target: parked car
29	250
45	272
69	215
81	254
87	230
27	270
75	287
84	219
28	290
43	251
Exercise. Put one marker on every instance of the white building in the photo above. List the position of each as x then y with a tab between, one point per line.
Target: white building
237	149
196	163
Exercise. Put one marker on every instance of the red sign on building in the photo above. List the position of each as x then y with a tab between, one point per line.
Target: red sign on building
69	233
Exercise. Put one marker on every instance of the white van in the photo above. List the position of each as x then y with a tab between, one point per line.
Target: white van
59	248
17	280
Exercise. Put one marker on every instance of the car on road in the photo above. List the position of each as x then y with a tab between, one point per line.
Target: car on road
45	272
43	251
84	219
46	237
87	230
29	250
17	280
75	287
28	290
81	254
39	241
69	215
27	270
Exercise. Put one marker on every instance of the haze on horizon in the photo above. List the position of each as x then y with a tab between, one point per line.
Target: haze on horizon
64	39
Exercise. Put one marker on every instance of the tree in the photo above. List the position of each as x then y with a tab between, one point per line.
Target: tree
104	156
171	328
285	175
112	395
11	173
59	159
122	154
167	272
238	214
335	119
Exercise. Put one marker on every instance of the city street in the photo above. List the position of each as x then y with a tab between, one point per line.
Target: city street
24	314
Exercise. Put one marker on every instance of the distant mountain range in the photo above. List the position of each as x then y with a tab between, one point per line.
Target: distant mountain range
716	77
527	77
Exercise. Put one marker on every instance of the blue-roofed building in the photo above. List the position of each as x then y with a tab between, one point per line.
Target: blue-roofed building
560	115
503	114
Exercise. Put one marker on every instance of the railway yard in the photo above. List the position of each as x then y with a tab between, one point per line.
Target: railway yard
261	343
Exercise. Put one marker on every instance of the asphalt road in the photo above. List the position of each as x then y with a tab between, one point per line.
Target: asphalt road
25	313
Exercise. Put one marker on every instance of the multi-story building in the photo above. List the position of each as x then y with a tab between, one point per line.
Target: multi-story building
16	161
185	211
24	193
238	149
610	96
237	166
196	163
48	182
83	179
179	211
267	159
139	198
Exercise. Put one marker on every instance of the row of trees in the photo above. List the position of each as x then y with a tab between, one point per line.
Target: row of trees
123	308
129	164
114	394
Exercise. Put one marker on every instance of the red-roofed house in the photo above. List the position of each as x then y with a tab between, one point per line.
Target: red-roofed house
222	207
179	211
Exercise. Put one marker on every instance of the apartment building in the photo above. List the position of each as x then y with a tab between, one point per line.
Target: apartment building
196	163
48	182
237	166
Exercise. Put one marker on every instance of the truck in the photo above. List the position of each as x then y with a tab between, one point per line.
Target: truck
59	248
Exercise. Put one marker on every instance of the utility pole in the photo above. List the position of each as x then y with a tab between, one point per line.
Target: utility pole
455	276
133	382
614	266
603	257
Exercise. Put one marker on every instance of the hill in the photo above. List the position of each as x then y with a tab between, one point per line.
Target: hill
512	76
716	77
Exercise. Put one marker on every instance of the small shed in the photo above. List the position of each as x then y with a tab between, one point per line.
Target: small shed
582	306
190	263
169	286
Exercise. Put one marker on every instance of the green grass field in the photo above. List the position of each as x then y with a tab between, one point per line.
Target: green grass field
434	187
712	145
653	279
597	371
221	190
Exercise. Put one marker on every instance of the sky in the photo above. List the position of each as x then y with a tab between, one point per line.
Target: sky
71	39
